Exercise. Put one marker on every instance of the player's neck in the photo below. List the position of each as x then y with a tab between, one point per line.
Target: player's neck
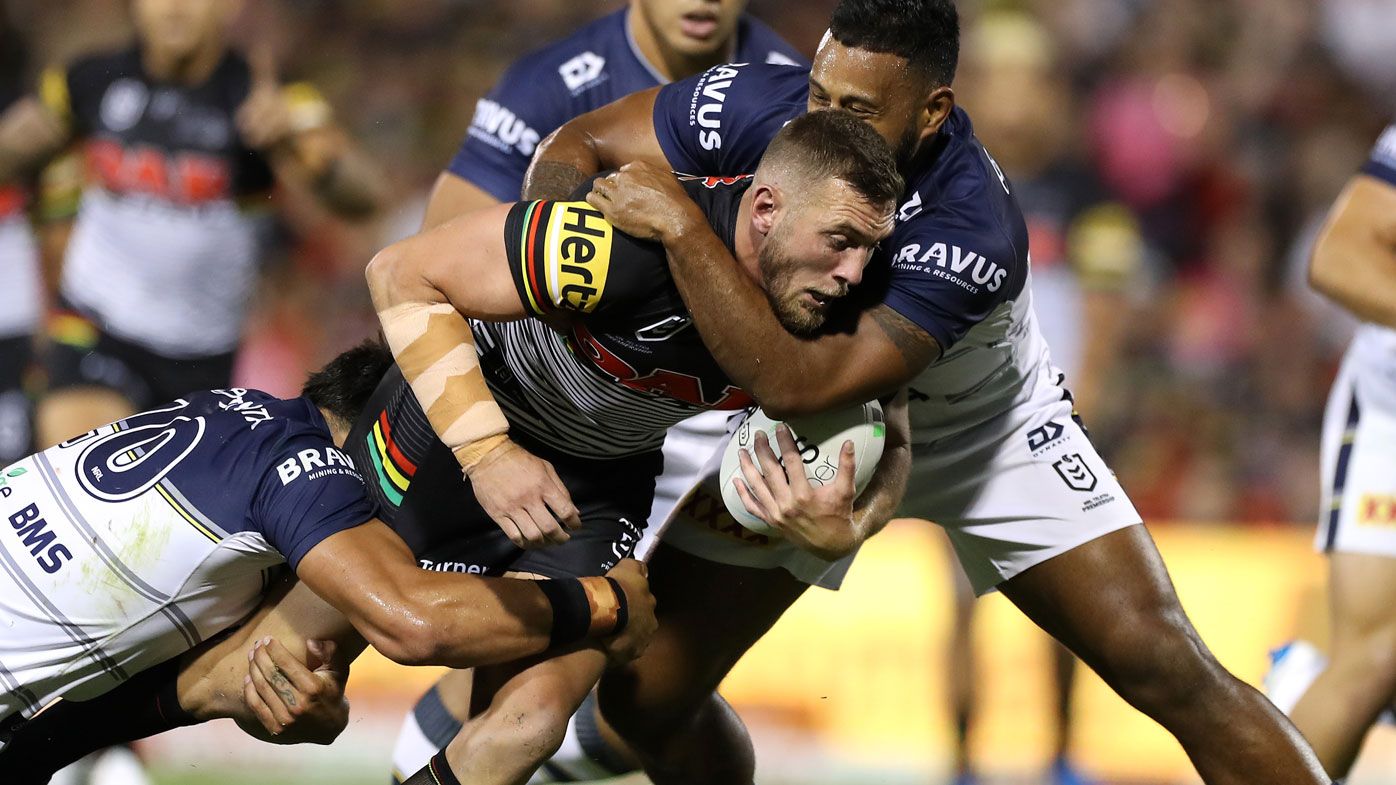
339	433
191	69
746	241
672	65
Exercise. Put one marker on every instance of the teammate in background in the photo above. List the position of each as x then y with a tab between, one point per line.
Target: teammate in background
1085	250
1354	264
1001	462
180	133
20	297
645	44
139	541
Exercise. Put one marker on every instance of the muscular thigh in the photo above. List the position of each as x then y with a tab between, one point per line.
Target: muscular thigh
709	615
1362	590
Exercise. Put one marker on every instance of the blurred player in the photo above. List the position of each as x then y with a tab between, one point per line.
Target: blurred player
180	132
136	542
645	44
1000	461
1354	264
1085	250
21	298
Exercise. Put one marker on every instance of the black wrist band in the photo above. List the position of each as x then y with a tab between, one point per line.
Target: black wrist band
571	610
622	606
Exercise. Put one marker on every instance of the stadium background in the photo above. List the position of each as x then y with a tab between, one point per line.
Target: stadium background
1226	128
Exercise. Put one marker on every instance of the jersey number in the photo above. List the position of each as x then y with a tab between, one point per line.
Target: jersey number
123	464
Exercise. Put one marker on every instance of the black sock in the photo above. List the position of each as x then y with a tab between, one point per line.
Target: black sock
145	705
437	772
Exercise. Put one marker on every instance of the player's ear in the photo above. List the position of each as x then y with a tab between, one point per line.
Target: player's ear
766	201
935	110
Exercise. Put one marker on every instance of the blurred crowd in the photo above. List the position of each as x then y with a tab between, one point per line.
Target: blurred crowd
1216	131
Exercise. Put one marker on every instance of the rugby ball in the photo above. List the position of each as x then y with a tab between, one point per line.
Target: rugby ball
819	437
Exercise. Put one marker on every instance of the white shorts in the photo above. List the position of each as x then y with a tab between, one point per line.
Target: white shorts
687	448
1358	510
1011	493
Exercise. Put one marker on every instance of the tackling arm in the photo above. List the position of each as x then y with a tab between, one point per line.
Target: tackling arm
1354	260
879	501
606	138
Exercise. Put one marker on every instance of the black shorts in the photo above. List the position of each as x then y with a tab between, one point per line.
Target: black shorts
80	354
16	406
420	491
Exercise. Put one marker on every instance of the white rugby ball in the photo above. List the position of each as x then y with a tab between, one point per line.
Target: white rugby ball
820	437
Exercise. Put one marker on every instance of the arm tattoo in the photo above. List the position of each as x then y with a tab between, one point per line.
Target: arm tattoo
916	346
552	180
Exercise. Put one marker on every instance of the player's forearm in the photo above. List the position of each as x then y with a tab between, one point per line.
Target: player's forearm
435	349
736	322
562	162
880	500
342	178
1358	273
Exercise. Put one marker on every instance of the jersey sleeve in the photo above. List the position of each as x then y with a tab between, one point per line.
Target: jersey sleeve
527	104
947	279
720	121
310	492
566	257
1382	163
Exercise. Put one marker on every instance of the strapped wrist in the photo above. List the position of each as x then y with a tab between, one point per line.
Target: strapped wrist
585	608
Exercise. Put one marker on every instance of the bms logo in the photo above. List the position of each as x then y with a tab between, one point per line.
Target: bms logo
502	129
705	111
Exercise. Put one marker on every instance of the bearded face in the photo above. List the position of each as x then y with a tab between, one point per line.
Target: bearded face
798	294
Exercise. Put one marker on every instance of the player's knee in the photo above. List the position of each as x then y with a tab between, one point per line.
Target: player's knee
1161	662
642	711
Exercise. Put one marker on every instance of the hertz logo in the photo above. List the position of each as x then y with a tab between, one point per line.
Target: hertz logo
578	256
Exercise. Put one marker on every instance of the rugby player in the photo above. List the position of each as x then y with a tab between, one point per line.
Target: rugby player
590	383
643	45
181	135
605	361
138	541
1354	264
1001	462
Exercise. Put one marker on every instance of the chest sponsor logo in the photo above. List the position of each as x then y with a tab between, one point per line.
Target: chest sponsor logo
583	71
579	256
315	463
500	128
966	269
1377	509
123	104
253	413
1075	473
705	109
35	536
663	329
182	177
661	381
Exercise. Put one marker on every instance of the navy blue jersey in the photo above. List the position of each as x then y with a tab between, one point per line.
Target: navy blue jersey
598	64
1382	162
226	461
139	540
960	247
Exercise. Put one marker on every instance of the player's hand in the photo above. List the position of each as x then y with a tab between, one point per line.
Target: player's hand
264	120
296	702
524	497
645	201
817	519
633	577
